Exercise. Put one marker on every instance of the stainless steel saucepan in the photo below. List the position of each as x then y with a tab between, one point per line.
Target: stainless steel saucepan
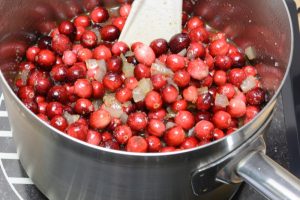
64	168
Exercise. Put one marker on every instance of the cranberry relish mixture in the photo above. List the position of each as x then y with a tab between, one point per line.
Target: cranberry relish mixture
171	95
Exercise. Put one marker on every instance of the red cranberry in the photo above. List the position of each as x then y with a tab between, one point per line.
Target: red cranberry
179	105
175	62
198	69
119	48
187	6
256	96
137	144
158	81
194	22
199	34
221	119
184	18
76	72
236	108
179	42
84	54
125	10
59	122
156	127
119	22
227	90
142	71
89	39
106	136
207	82
53	109
144	54
26	66
69	58
58	93
190	94
122	134
98	89
250	70
43	117
251	112
154	144
204	130
83	106
112	81
131	83
78	131
61	43
202	115
223	62
42	107
45	42
111	144
137	121
218	134
159	114
114	123
26	93
195	50
31	105
189	143
167	149
204	101
110	33
153	101
237	76
219	47
67	28
102	53
42	85
99	15
59	73
170	94
220	77
175	136
83	21
185	119
123	95
159	46
79	32
45	58
32	52
100	119
93	137
83	88
238	59
114	64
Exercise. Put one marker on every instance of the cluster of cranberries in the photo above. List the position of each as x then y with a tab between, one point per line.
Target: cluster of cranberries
200	86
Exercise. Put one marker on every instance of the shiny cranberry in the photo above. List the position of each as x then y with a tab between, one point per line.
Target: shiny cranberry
58	60
123	95
78	131
45	58
125	10
199	34
156	127
89	39
236	108
93	137
179	105
221	119
237	76
185	119
202	115
99	15
142	71
220	77
26	66
59	122
144	54
169	94
194	22
131	83
179	42
153	101
43	117
154	144
158	114
111	144
58	93
167	149
106	136
132	60
42	107
100	119
42	85
174	136
190	94
219	47
53	109
84	54
40	99
110	33
256	96
69	58
45	42
204	130
251	112
32	52
119	22
119	48
59	73
67	28
112	81
227	90
187	6
218	134
26	93
159	46
83	106
75	72
189	143
122	134
137	144
204	101
83	21
184	18
223	62
137	121
98	89
198	69
114	123
195	50
114	64
102	52
158	81
175	62
83	88
250	70
238	60
79	32
182	78
61	43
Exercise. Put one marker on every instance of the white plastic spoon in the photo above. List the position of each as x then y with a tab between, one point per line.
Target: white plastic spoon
152	19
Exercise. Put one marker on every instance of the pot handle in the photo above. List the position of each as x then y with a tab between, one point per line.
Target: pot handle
268	177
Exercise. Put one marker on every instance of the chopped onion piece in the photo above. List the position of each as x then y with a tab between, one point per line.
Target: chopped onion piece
97	103
112	105
221	100
250	53
170	113
171	82
249	83
202	90
71	118
96	68
129	53
140	92
159	68
128	68
191	132
183	52
124	117
96	31
91	63
170	125
24	76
